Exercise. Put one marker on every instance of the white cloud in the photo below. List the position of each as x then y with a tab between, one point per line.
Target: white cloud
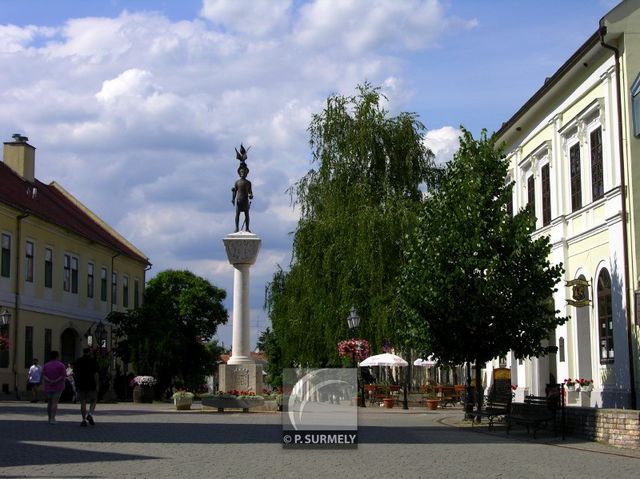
138	115
248	17
363	25
443	142
131	83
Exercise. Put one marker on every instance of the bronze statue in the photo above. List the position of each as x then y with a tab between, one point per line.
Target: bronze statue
241	193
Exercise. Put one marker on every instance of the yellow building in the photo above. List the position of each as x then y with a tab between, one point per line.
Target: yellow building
571	149
62	269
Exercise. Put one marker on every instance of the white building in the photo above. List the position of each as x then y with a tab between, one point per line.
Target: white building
571	149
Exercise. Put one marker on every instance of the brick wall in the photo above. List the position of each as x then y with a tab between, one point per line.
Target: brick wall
618	427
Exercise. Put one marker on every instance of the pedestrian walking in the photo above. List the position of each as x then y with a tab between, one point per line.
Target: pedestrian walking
34	379
85	373
54	374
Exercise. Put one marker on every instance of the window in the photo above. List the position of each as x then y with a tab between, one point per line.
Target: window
561	352
28	346
635	105
74	275
90	280
66	280
48	268
576	183
136	293
125	291
531	195
597	181
28	262
103	284
605	318
114	288
546	195
47	343
5	267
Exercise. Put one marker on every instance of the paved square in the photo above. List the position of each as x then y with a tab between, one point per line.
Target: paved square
155	441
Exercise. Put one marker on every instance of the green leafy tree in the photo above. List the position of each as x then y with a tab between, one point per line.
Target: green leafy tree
166	336
356	208
269	345
476	284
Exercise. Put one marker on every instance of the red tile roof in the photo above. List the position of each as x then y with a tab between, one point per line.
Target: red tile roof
52	205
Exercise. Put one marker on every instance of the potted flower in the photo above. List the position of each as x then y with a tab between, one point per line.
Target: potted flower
4	343
570	384
182	400
430	397
143	389
586	385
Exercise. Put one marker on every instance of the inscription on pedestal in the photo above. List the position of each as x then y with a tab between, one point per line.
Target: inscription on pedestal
242	378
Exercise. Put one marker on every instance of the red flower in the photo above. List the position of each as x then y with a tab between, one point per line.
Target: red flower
354	348
5	344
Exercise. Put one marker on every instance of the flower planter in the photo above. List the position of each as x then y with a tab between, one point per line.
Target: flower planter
388	402
586	389
571	387
432	404
222	403
143	394
183	404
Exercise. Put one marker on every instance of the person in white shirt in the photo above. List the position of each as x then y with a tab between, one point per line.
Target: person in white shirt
34	379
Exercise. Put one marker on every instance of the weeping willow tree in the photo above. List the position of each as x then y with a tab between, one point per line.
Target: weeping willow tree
357	206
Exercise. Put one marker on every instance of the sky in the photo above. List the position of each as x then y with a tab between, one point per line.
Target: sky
136	106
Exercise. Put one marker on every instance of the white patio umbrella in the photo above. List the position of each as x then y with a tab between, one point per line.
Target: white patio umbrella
385	359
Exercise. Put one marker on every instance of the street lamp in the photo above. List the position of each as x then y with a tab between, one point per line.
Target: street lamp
353	320
101	335
97	331
5	316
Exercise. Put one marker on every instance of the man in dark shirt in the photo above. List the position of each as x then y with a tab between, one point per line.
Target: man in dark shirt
85	374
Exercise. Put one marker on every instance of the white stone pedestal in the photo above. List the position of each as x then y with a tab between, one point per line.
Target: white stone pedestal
242	377
242	250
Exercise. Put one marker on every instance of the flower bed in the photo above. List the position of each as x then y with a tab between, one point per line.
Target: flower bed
230	401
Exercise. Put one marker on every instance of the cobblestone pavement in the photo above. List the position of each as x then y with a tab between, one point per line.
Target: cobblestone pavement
155	441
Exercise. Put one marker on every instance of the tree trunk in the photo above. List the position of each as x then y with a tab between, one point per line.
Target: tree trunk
479	391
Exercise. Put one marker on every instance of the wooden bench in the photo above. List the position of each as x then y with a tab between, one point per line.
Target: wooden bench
535	412
495	405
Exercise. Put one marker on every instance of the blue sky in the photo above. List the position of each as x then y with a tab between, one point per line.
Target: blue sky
135	106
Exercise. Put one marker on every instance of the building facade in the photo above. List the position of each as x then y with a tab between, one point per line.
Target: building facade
571	150
62	269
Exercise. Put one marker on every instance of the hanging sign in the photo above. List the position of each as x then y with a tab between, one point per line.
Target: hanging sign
579	293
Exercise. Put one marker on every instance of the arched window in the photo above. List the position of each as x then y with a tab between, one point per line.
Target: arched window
605	318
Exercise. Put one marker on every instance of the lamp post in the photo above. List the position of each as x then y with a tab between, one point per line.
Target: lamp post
5	317
353	320
97	337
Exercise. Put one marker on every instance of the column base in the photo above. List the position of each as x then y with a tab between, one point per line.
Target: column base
241	377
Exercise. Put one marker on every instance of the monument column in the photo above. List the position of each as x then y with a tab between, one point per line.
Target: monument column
241	372
242	250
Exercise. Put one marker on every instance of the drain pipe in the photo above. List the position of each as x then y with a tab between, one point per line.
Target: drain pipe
623	188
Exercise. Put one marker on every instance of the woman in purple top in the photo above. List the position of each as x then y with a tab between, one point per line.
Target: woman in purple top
54	374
